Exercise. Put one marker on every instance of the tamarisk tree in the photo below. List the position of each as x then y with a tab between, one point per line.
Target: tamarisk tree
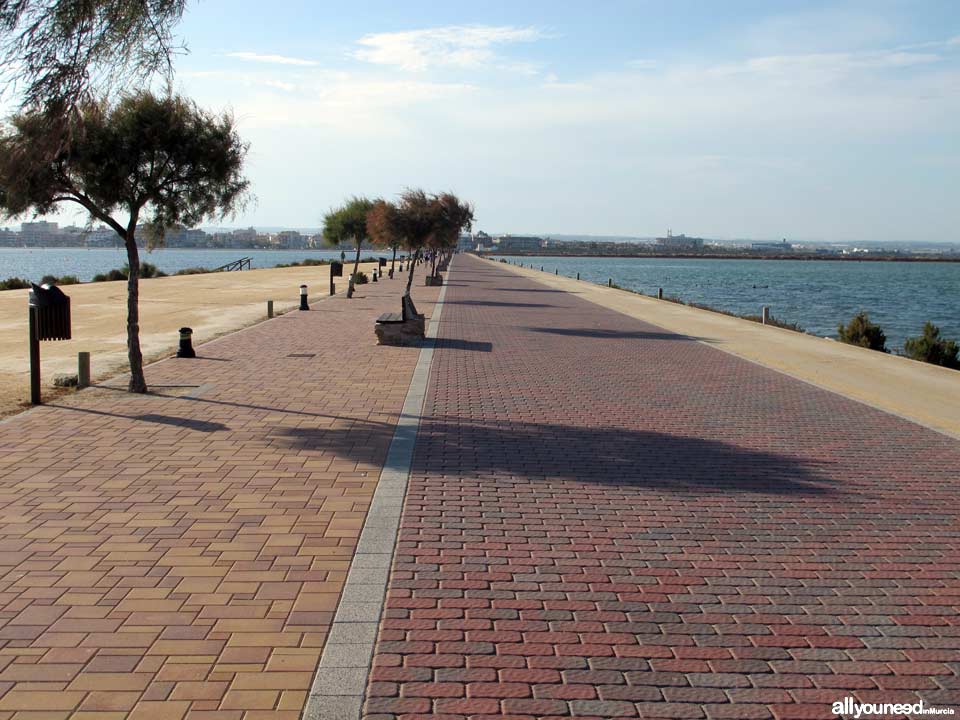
348	223
145	163
56	52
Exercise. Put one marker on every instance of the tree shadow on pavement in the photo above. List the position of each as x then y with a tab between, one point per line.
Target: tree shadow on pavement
495	303
604	334
453	447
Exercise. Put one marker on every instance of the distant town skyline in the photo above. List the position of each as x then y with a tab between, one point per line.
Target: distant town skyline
815	121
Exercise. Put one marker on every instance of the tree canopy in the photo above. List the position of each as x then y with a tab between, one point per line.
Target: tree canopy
159	161
60	52
347	223
159	155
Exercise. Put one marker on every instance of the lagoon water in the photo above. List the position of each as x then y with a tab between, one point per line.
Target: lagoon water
899	296
34	263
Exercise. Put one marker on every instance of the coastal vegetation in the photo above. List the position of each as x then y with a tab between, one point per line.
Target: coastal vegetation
862	332
145	162
14	283
62	280
348	224
931	348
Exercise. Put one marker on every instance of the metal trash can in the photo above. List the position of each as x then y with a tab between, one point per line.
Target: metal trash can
382	261
50	309
336	269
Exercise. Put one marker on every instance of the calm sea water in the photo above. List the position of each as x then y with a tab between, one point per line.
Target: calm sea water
818	295
34	263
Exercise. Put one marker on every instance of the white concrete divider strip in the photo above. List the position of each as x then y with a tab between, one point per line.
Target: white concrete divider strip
340	684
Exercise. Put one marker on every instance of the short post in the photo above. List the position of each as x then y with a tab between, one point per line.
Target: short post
375	276
765	315
659	293
83	369
578	276
541	268
269	309
556	271
333	287
610	282
186	344
303	298
34	359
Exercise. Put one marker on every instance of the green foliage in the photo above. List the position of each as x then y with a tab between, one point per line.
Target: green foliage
14	283
347	223
57	51
147	270
360	278
162	157
54	280
860	331
193	271
931	348
306	262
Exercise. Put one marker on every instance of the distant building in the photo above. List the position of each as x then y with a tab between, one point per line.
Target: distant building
40	234
767	246
289	240
519	243
679	242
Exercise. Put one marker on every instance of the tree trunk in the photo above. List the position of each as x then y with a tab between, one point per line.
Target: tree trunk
356	267
138	383
412	264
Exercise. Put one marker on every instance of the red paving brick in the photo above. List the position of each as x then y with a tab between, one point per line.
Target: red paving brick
167	557
608	520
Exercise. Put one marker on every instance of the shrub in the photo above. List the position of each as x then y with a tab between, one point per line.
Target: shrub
193	271
931	348
860	331
14	284
147	270
360	278
63	280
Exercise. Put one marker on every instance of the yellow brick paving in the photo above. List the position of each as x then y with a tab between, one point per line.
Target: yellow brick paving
181	554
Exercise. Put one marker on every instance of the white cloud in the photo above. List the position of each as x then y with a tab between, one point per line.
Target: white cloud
275	59
464	46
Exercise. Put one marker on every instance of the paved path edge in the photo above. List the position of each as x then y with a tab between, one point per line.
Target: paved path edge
340	683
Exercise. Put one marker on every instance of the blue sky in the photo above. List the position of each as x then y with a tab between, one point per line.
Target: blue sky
761	119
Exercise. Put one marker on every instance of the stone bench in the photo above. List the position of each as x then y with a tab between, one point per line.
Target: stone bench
406	327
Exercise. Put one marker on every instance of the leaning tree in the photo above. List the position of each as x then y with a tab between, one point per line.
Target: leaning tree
145	163
348	223
454	216
383	230
55	53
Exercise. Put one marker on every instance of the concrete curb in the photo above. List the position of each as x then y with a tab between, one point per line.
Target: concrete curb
340	683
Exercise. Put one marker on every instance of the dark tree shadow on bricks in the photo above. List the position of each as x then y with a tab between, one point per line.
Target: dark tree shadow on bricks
458	344
604	334
494	303
187	423
608	456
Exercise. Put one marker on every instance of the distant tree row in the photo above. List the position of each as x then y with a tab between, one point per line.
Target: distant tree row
419	223
929	347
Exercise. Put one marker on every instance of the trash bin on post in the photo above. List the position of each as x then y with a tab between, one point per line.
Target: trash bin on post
49	310
336	270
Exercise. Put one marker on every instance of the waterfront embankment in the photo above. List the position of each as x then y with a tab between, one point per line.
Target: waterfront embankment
212	304
926	394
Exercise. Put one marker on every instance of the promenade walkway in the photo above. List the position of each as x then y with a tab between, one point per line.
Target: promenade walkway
181	554
605	519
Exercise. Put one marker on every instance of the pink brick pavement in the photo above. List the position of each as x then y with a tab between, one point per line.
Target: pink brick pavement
167	557
608	520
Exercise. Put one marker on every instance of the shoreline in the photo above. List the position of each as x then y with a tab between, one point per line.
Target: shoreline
705	256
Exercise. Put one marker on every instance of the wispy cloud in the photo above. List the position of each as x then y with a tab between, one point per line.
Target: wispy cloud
274	59
464	46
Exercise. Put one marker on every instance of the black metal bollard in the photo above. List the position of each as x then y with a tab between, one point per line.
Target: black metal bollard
578	276
303	298
186	344
375	276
